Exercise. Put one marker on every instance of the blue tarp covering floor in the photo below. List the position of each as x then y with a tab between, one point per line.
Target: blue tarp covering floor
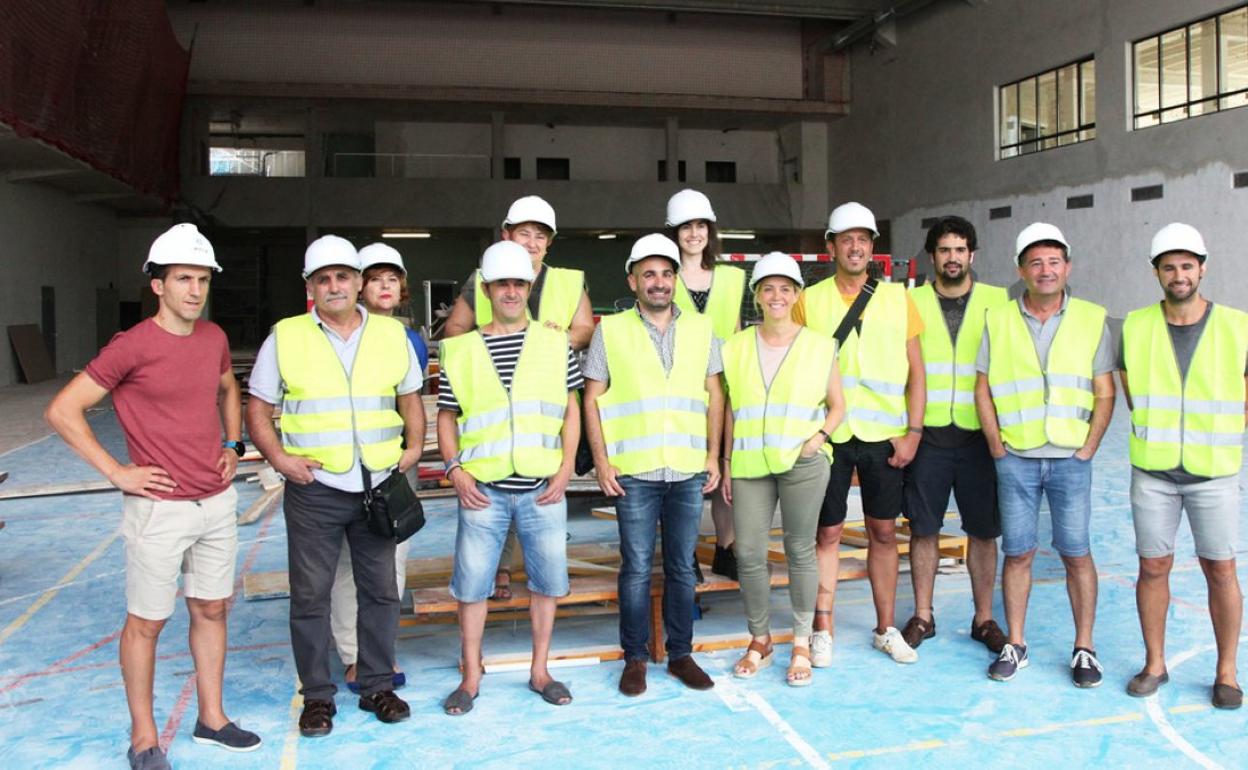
62	705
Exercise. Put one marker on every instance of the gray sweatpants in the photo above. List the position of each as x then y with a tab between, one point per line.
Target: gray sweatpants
800	492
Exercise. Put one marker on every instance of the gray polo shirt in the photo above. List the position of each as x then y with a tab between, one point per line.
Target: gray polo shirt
596	368
1042	334
266	384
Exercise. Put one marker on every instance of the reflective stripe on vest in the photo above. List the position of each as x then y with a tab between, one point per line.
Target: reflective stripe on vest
325	416
653	419
949	365
561	294
723	304
873	373
770	424
1195	423
503	433
1051	405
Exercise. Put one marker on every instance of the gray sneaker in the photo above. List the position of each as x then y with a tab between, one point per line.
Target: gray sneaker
148	759
1012	658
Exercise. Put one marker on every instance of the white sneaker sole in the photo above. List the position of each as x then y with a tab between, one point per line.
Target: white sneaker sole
897	656
211	742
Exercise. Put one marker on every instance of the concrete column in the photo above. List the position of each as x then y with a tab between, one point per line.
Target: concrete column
672	128
496	145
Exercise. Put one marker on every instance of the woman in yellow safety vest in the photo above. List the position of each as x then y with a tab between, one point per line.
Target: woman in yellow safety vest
714	290
784	401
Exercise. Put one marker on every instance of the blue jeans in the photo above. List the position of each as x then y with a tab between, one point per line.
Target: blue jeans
646	505
1066	483
542	530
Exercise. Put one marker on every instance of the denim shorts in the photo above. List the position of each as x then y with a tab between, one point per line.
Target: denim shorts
541	529
1065	482
1212	510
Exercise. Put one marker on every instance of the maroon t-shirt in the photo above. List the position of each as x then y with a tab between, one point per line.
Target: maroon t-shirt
165	391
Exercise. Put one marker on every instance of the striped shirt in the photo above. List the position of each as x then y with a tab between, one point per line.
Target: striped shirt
504	352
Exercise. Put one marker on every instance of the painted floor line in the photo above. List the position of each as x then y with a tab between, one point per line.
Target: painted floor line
51	593
290	750
59	586
731	694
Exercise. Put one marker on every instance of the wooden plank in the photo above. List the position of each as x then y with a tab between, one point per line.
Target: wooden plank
32	353
266	502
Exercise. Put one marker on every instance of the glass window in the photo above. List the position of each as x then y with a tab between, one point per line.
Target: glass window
1051	109
1195	69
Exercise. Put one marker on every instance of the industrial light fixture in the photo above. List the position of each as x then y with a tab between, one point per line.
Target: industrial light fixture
606	236
405	234
740	236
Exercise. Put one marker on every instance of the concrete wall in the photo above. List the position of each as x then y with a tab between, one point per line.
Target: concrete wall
920	141
484	46
49	240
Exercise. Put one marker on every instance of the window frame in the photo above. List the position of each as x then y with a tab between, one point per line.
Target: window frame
1083	130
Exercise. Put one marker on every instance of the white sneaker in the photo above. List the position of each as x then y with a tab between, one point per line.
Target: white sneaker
821	649
891	643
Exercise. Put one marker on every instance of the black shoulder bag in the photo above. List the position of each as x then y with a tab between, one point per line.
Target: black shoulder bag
854	314
392	509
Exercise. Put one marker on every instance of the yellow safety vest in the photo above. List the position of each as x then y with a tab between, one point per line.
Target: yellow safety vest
561	294
325	415
1051	404
504	434
950	366
723	304
770	424
874	371
1195	423
653	419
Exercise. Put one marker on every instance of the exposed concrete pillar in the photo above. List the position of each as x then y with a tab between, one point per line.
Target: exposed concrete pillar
804	148
496	145
672	128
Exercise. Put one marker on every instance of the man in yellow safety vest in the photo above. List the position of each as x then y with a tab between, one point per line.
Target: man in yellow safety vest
349	385
1044	391
1184	370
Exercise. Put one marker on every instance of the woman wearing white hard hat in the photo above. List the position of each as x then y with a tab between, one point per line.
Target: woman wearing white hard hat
784	400
558	298
384	290
715	290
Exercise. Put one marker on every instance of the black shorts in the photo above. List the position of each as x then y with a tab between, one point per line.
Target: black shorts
969	473
880	482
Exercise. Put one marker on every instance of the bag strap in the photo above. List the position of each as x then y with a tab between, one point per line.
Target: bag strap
854	314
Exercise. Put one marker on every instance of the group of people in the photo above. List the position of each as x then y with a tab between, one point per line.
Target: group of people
951	388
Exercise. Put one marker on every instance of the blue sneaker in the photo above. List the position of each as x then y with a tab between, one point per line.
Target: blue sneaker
1012	658
231	737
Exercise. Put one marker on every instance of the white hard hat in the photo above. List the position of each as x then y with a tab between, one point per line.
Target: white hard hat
531	208
181	245
653	245
329	250
506	259
850	216
1036	232
776	263
688	205
1177	236
381	254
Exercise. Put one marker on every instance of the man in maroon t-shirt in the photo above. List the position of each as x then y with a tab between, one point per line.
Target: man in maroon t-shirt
166	375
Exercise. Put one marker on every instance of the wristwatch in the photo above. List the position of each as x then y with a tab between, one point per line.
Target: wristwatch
239	447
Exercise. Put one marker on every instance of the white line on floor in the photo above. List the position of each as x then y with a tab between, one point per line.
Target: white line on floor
733	696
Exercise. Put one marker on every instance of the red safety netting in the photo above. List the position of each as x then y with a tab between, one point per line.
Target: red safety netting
101	80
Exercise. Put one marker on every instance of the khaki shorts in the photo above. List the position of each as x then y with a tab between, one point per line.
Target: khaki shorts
164	538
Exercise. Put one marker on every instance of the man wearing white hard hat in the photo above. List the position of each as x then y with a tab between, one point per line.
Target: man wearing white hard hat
508	425
654	411
706	285
384	290
348	381
175	394
877	328
1044	391
1184	371
558	299
784	394
953	456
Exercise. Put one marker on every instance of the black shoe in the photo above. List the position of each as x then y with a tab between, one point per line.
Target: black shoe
990	634
1012	658
231	737
317	718
386	705
1085	669
1227	697
725	563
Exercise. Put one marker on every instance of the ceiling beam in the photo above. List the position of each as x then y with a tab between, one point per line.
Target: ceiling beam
43	174
834	10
